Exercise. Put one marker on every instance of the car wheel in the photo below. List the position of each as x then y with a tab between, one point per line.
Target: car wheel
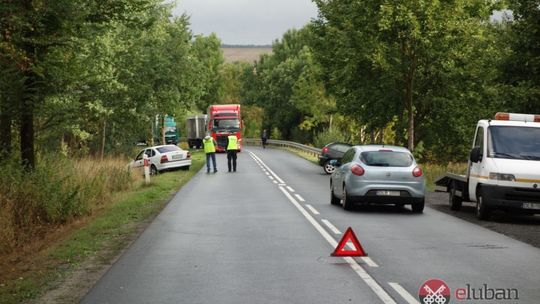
329	168
346	200
455	201
418	207
153	170
333	199
483	212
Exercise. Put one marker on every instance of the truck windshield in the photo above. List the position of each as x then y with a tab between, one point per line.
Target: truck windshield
514	142
227	124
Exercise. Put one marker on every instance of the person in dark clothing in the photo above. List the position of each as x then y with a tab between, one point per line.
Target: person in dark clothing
232	149
264	138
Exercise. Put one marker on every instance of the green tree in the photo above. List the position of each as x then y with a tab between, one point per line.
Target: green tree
406	59
32	34
208	52
287	85
521	76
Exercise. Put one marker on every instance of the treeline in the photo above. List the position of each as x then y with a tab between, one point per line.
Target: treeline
86	77
413	73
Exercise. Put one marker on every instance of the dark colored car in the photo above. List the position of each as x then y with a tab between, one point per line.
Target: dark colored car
330	152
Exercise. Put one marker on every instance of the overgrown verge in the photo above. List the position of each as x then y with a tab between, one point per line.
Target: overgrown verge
58	191
102	221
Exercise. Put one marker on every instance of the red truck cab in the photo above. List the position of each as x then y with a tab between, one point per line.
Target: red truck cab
224	120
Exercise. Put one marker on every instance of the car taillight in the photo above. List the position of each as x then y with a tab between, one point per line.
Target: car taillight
164	159
189	155
357	170
417	172
324	150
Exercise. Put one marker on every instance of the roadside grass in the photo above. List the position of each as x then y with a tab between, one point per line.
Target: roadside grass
308	156
432	171
103	234
435	171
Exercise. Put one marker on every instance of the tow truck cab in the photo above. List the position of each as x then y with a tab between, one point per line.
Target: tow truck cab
504	165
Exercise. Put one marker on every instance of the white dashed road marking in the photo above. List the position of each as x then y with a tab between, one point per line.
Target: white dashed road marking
403	293
313	210
330	226
300	198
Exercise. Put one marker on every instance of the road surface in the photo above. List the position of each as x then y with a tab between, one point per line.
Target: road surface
265	233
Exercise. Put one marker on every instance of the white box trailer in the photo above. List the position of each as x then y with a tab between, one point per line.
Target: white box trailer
196	130
503	169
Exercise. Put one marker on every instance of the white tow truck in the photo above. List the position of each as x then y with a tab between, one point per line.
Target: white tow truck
503	169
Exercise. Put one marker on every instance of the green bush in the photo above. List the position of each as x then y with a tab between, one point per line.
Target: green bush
327	136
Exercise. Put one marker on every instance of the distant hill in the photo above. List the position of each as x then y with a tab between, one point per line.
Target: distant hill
245	53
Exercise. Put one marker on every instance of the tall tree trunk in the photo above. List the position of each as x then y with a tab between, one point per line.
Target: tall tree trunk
27	126
410	114
409	72
163	130
5	130
29	94
103	139
330	122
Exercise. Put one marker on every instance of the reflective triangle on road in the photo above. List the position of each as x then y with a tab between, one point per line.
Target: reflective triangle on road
354	248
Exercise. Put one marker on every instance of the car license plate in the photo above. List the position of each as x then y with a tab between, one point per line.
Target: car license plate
388	193
177	156
531	206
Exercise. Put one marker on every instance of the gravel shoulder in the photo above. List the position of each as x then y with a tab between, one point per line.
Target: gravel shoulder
524	228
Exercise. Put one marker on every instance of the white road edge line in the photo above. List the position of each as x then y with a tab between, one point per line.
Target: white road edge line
275	182
271	177
366	260
330	226
403	293
369	261
300	198
368	279
267	168
290	189
313	210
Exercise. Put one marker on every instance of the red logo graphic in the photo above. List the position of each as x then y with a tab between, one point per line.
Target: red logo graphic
434	291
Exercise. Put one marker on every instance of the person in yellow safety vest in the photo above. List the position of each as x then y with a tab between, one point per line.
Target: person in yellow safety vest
210	150
232	149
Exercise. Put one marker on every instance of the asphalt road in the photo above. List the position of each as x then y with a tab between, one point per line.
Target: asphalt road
265	234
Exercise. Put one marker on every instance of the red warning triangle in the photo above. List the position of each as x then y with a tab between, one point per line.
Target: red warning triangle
341	251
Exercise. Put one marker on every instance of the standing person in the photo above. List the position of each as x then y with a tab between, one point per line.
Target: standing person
210	150
264	138
232	149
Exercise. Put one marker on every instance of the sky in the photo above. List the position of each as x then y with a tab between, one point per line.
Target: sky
244	22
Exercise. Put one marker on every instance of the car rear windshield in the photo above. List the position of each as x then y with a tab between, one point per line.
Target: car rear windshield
386	159
340	147
166	149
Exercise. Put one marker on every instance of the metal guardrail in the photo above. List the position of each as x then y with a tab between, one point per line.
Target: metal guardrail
283	143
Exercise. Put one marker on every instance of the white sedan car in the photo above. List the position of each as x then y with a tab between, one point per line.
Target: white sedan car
163	158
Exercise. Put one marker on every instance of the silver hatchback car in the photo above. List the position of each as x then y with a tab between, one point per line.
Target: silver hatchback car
380	175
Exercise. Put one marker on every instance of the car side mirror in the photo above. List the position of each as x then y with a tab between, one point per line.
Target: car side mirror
335	163
476	155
